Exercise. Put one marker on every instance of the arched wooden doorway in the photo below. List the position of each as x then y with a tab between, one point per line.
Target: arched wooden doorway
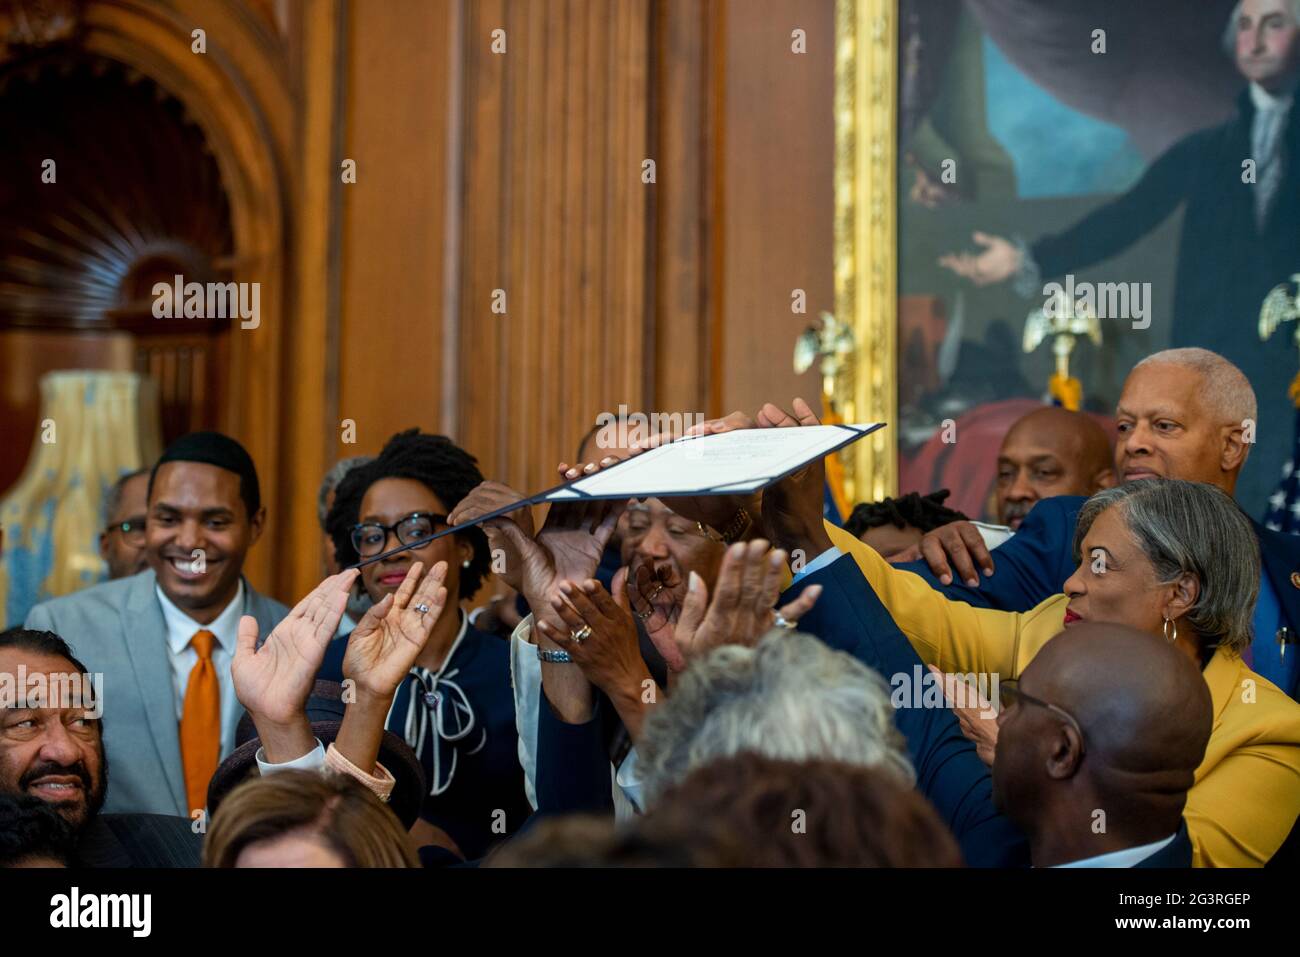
225	114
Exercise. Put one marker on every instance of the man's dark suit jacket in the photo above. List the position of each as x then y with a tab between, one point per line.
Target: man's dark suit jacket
139	840
849	617
573	764
1177	853
1034	564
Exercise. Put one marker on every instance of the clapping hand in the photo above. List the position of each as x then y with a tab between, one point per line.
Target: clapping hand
599	633
742	609
386	642
274	681
610	653
505	532
568	546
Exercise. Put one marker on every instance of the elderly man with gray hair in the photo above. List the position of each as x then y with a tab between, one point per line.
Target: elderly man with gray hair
789	697
795	697
1236	185
1184	414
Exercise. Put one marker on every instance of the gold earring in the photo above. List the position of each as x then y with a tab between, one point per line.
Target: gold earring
1168	637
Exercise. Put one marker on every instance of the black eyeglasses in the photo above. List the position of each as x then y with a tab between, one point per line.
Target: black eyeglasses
132	530
369	538
1009	694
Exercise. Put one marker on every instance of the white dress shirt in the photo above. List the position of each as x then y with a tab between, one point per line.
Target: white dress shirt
1129	857
180	632
1267	134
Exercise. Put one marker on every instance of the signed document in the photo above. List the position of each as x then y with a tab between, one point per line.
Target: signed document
725	464
728	463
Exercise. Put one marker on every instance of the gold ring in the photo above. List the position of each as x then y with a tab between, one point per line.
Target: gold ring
582	634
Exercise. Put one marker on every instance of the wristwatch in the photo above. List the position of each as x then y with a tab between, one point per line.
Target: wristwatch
554	657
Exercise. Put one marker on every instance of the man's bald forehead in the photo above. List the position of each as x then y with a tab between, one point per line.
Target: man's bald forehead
1068	433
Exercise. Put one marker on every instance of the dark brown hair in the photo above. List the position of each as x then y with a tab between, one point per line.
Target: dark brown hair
339	812
753	811
814	813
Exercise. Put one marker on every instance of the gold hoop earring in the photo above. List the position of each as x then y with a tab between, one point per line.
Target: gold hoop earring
1168	637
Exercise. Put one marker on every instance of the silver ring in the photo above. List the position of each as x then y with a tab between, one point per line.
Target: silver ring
582	634
422	608
782	623
644	615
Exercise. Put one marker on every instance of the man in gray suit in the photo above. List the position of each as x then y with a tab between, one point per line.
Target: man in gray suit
164	638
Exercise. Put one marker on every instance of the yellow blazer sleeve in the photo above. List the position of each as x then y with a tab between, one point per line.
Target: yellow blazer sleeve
952	634
1247	790
1242	810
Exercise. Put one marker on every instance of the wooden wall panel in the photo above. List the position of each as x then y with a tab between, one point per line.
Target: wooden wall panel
776	177
556	216
392	265
684	115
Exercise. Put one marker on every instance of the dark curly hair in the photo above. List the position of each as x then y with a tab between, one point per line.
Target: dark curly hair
32	830
926	512
435	461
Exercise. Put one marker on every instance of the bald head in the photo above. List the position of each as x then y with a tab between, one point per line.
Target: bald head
1145	715
1050	451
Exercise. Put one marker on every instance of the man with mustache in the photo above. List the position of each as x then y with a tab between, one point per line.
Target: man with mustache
1050	451
1184	414
164	638
54	751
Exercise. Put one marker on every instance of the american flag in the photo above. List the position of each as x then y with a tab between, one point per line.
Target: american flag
1284	504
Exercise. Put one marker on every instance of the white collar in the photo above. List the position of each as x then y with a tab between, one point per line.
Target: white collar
1128	857
181	627
1265	101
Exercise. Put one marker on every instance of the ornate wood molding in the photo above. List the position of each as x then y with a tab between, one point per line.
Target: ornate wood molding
27	24
866	235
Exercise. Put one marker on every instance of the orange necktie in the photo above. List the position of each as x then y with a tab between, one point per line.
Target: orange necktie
201	723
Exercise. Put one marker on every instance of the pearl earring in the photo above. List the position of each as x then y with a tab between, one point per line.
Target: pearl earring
465	563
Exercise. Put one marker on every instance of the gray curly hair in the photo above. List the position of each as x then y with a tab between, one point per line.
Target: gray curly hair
789	697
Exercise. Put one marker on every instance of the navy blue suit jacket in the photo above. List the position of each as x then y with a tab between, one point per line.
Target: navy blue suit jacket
1177	853
849	617
1034	564
573	764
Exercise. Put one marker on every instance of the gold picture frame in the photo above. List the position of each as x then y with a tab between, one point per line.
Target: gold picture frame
866	236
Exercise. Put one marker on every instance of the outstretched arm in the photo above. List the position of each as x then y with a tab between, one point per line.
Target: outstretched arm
850	618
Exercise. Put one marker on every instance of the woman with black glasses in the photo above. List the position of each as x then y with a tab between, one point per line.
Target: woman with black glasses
455	709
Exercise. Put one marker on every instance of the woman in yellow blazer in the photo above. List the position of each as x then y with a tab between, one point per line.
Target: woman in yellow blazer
1179	561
